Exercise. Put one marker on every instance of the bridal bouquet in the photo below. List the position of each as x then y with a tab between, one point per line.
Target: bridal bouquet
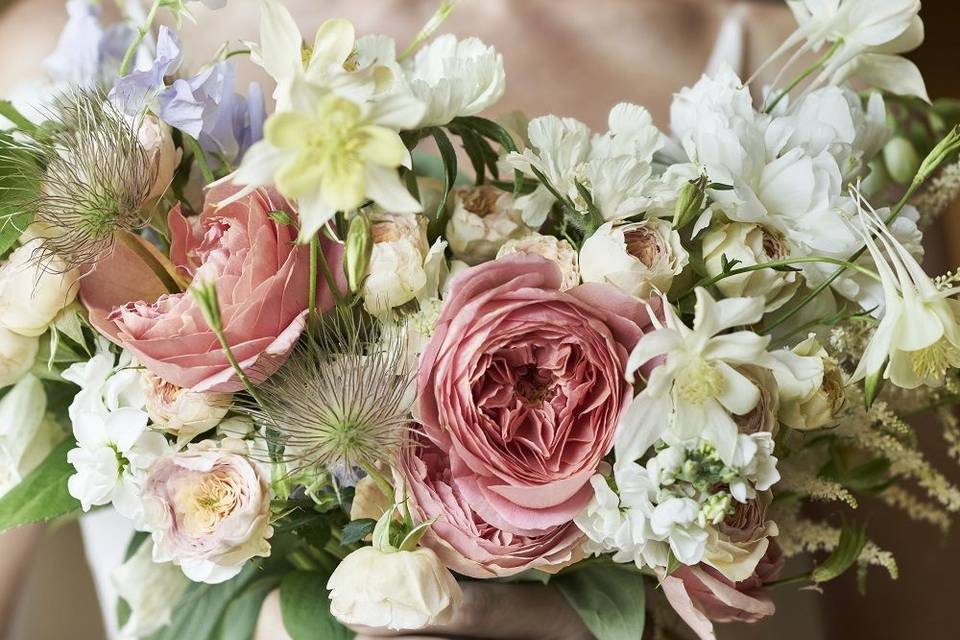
368	345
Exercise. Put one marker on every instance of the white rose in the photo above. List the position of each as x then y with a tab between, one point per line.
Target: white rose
34	288
751	244
156	140
637	258
150	589
208	510
396	272
808	409
481	220
396	590
27	433
17	354
558	251
181	412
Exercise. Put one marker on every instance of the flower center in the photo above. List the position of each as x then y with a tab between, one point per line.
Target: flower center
699	381
642	244
335	139
934	361
535	388
211	501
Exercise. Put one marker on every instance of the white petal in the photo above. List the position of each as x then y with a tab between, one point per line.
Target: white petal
641	425
259	165
280	41
739	394
314	213
657	343
385	188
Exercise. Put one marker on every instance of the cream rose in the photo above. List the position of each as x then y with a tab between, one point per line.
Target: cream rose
156	140
34	288
208	510
393	589
751	244
396	272
481	220
17	355
557	251
806	409
637	258
736	545
181	412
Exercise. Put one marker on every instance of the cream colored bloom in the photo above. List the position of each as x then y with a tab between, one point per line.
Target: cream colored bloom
34	288
17	355
181	412
549	247
482	219
750	244
638	258
393	589
397	272
156	140
807	408
151	590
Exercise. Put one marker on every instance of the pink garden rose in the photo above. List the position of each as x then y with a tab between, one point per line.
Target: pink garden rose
522	384
261	278
702	595
461	538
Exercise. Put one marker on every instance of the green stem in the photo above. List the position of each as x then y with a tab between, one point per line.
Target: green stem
328	277
791	580
141	33
232	359
437	19
809	71
200	157
385	487
169	279
312	293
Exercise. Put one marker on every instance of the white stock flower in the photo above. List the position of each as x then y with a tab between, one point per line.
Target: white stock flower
918	338
112	453
208	510
455	78
106	382
749	244
181	412
331	153
638	258
17	355
397	590
482	218
151	590
557	251
34	288
27	433
677	519
756	466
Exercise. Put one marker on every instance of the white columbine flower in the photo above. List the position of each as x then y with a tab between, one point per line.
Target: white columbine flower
455	78
918	338
331	154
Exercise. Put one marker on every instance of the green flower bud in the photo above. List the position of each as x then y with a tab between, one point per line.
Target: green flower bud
691	202
359	248
902	160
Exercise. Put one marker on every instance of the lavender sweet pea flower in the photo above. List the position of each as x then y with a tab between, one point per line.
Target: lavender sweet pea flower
138	89
86	52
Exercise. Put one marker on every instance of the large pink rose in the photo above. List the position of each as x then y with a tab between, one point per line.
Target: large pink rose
461	538
522	384
261	278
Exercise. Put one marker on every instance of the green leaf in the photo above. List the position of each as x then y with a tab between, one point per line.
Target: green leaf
21	122
239	619
19	185
449	156
493	131
609	600
42	495
852	539
357	530
305	606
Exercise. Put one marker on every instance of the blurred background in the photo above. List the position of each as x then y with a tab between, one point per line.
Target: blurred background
572	58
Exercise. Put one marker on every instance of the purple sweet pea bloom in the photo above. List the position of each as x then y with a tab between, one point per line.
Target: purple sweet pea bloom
87	53
137	90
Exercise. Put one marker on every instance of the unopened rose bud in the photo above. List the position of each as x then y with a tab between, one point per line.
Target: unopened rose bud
359	248
691	202
481	220
155	138
817	408
902	160
749	244
396	273
558	251
637	258
34	288
181	412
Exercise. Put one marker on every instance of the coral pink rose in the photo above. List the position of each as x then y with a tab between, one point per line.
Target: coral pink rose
461	538
261	278
702	595
523	384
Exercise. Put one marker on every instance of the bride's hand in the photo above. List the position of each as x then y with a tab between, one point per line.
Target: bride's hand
489	612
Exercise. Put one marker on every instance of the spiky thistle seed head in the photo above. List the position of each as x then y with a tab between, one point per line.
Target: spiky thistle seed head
341	400
90	175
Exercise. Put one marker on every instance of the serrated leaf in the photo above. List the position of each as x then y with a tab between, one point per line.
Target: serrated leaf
852	539
305	605
42	495
356	531
609	600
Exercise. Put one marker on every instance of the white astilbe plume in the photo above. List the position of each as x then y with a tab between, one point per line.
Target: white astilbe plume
342	400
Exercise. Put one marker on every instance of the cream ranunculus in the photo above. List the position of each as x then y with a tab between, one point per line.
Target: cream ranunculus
34	288
750	244
554	250
807	409
181	412
17	355
393	589
396	272
208	510
481	220
637	258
